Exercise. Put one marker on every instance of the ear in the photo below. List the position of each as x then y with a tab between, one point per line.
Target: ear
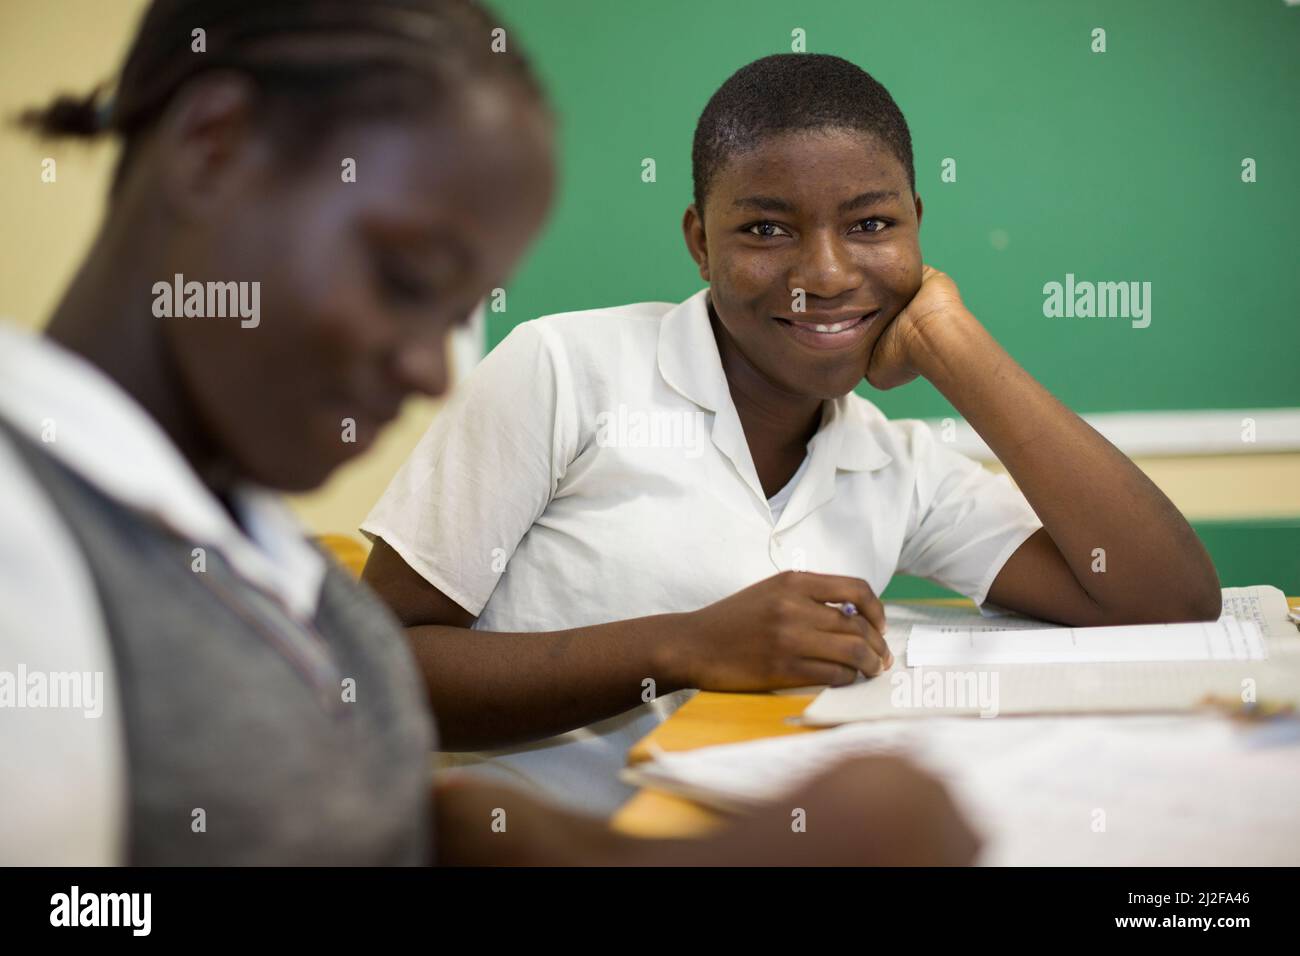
205	144
919	209
697	243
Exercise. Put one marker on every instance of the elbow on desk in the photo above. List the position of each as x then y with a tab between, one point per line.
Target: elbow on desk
1199	600
1203	603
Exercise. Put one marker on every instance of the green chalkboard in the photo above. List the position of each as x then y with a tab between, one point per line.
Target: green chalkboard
1245	552
1115	166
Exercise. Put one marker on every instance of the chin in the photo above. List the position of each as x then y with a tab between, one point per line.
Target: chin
301	484
833	396
293	470
826	388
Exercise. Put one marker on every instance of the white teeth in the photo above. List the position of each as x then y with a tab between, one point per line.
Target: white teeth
827	329
837	327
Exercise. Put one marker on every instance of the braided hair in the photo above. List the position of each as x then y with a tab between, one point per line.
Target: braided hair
313	62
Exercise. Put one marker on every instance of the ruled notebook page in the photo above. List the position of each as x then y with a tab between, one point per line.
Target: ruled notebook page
1224	640
1059	688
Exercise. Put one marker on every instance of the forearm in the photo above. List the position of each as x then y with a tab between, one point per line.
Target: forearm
877	811
492	689
479	823
1093	501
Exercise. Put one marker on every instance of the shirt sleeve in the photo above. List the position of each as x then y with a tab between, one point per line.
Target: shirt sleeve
62	802
965	521
485	470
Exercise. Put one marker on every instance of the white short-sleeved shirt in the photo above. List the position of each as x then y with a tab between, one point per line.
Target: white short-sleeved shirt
593	468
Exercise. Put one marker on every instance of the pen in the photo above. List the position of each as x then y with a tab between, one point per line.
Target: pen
849	609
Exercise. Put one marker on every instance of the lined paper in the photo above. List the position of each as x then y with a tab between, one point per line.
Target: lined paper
1100	688
1224	640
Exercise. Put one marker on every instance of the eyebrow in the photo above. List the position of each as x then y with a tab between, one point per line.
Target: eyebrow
776	204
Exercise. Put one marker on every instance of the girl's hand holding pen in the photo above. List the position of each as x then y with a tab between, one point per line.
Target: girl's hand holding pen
779	633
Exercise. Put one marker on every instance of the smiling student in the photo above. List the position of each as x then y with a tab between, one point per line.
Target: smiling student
562	581
260	706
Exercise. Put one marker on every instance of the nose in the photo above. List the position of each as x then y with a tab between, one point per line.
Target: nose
824	269
420	364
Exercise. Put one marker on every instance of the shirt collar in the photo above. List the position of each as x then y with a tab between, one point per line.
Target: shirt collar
83	418
690	364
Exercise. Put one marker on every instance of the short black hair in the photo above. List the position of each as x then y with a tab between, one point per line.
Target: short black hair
794	91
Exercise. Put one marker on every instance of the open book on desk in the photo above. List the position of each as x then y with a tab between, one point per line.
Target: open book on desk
972	665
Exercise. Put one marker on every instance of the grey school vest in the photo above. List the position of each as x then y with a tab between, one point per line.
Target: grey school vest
232	709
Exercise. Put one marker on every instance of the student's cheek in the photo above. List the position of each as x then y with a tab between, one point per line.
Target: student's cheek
896	270
222	368
339	324
754	284
299	372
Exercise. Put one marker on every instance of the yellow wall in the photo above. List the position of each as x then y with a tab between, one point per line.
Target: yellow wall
70	45
46	48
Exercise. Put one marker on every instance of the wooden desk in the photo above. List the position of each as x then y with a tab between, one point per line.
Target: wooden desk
707	719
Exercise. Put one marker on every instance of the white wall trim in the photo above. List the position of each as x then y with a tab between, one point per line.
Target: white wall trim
1141	434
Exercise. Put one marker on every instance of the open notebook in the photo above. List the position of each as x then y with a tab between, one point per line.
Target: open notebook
996	670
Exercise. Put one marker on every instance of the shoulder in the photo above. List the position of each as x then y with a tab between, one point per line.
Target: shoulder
589	357
596	336
43	559
918	456
49	604
611	321
51	622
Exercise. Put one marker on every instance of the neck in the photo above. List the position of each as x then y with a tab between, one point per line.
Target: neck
772	417
106	317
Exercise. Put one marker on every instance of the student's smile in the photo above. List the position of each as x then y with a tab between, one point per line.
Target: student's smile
829	331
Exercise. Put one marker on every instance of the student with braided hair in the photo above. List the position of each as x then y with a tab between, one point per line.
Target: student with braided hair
258	705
